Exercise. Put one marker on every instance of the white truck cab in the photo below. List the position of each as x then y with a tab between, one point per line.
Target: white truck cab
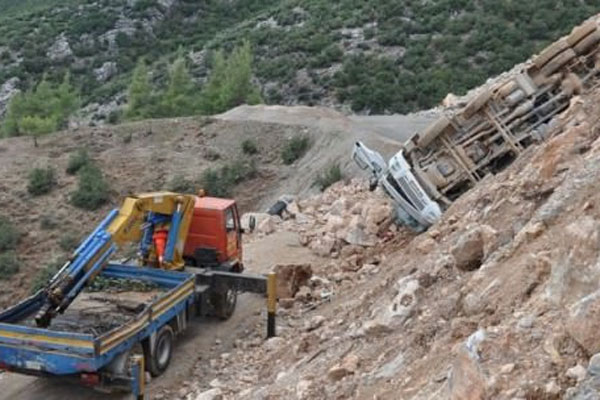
413	206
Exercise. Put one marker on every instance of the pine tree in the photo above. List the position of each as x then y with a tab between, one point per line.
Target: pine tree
67	99
212	99
140	93
41	110
179	98
230	83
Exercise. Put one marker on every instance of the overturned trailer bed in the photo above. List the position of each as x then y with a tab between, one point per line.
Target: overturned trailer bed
114	355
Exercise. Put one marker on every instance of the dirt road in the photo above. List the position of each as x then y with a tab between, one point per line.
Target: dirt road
195	346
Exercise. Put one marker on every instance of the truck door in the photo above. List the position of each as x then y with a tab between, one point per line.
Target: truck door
233	235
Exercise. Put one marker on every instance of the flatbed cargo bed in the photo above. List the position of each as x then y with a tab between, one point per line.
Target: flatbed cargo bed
99	312
49	351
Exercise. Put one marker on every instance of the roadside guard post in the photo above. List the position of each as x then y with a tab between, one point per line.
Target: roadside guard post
271	304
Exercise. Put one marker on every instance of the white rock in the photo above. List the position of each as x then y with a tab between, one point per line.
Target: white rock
392	315
273	343
60	49
267	226
577	372
216	383
106	71
212	394
7	91
507	368
303	388
315	322
552	388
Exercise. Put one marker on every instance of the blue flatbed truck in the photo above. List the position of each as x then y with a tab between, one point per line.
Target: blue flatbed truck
113	360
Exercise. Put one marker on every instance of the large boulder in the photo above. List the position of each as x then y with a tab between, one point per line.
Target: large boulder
475	246
390	316
466	380
575	273
290	278
322	246
468	250
583	322
356	233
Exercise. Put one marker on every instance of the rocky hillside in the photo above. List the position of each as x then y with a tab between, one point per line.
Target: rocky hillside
371	56
499	300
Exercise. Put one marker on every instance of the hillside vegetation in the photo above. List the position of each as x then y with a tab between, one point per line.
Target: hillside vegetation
371	56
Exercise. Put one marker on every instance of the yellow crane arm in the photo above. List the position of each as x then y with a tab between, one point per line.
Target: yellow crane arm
133	222
128	226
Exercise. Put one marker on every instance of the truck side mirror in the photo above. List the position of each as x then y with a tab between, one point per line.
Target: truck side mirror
252	223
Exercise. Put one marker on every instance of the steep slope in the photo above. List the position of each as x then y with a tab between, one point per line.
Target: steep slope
499	300
370	56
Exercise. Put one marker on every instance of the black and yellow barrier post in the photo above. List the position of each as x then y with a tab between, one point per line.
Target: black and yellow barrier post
139	377
271	304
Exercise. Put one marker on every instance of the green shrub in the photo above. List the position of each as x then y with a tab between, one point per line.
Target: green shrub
92	190
43	276
9	265
48	222
114	117
330	176
9	236
68	242
238	171
180	184
295	149
41	181
220	182
249	147
212	184
77	161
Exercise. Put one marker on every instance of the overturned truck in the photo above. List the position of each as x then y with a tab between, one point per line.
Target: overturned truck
438	165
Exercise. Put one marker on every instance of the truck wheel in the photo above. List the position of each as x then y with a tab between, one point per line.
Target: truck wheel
159	358
224	303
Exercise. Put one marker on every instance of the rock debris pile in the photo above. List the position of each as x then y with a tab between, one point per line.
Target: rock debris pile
500	299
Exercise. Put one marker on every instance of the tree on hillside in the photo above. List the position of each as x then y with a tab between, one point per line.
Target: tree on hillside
42	110
230	83
180	97
139	97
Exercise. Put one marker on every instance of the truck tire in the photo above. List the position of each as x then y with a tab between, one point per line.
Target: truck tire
224	303
157	360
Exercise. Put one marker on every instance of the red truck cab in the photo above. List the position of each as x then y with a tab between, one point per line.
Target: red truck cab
214	239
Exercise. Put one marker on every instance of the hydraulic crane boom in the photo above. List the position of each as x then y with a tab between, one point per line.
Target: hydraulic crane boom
136	221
